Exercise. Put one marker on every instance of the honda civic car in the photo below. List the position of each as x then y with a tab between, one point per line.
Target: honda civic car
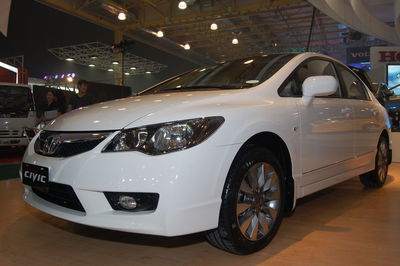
225	149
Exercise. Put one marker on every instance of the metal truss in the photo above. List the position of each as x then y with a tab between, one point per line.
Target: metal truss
100	56
16	61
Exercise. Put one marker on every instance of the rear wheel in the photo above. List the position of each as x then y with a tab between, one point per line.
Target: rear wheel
377	177
252	203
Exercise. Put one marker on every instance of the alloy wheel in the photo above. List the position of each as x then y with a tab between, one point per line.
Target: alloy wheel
258	201
382	163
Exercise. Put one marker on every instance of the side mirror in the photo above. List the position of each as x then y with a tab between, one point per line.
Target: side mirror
318	86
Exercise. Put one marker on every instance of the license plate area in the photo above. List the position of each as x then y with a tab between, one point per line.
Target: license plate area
35	175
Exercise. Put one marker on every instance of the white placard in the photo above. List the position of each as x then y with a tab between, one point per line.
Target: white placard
5	6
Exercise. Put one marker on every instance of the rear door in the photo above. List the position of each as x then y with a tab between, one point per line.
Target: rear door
366	114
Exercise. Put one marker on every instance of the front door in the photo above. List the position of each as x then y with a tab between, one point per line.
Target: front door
326	129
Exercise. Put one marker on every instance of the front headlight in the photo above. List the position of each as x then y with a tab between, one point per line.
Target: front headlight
167	137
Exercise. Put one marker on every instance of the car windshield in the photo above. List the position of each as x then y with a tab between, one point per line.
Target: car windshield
237	74
15	99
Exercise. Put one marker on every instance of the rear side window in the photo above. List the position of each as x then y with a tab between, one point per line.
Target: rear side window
352	85
293	87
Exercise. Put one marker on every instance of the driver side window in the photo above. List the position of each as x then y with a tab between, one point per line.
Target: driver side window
293	87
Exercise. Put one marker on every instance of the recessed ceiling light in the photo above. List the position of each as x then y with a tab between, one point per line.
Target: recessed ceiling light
110	69
248	61
148	72
235	41
182	5
160	34
93	57
127	73
133	68
186	46
92	65
121	16
115	63
69	59
214	26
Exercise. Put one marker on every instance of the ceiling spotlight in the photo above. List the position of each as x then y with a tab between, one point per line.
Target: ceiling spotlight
93	57
115	63
148	72
160	34
133	68
92	65
182	5
110	69
121	16
186	46
273	43
248	61
235	41
127	73
69	59
214	26
70	79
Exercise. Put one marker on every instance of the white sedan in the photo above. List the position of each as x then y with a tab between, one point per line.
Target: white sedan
226	149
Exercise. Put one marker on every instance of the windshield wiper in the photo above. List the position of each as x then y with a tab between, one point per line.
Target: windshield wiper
224	87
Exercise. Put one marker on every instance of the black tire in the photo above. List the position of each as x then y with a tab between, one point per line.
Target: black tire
377	177
266	207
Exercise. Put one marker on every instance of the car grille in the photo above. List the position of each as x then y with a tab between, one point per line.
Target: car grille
59	194
9	133
65	144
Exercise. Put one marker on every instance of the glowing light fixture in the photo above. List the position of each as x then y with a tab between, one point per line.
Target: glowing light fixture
148	72
110	69
93	57
121	16
235	41
127	73
160	34
186	46
70	79
69	59
248	61
115	63
182	5
214	26
133	68
92	65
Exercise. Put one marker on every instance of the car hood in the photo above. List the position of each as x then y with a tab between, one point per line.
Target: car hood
120	113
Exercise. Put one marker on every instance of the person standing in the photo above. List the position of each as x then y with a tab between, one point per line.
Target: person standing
51	109
81	99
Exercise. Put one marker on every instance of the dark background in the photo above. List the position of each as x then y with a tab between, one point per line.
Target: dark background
33	28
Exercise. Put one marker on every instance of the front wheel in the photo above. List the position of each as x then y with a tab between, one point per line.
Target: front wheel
252	203
377	177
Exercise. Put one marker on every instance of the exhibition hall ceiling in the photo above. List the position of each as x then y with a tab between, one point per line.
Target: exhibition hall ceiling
216	30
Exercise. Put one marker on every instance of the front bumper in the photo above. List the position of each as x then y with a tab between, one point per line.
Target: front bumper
189	183
13	141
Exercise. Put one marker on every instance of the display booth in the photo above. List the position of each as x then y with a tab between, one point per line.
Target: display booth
385	62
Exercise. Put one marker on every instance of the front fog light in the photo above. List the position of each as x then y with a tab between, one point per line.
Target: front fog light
132	201
127	202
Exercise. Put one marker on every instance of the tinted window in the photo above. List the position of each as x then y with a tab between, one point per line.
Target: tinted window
352	85
237	74
14	98
293	87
